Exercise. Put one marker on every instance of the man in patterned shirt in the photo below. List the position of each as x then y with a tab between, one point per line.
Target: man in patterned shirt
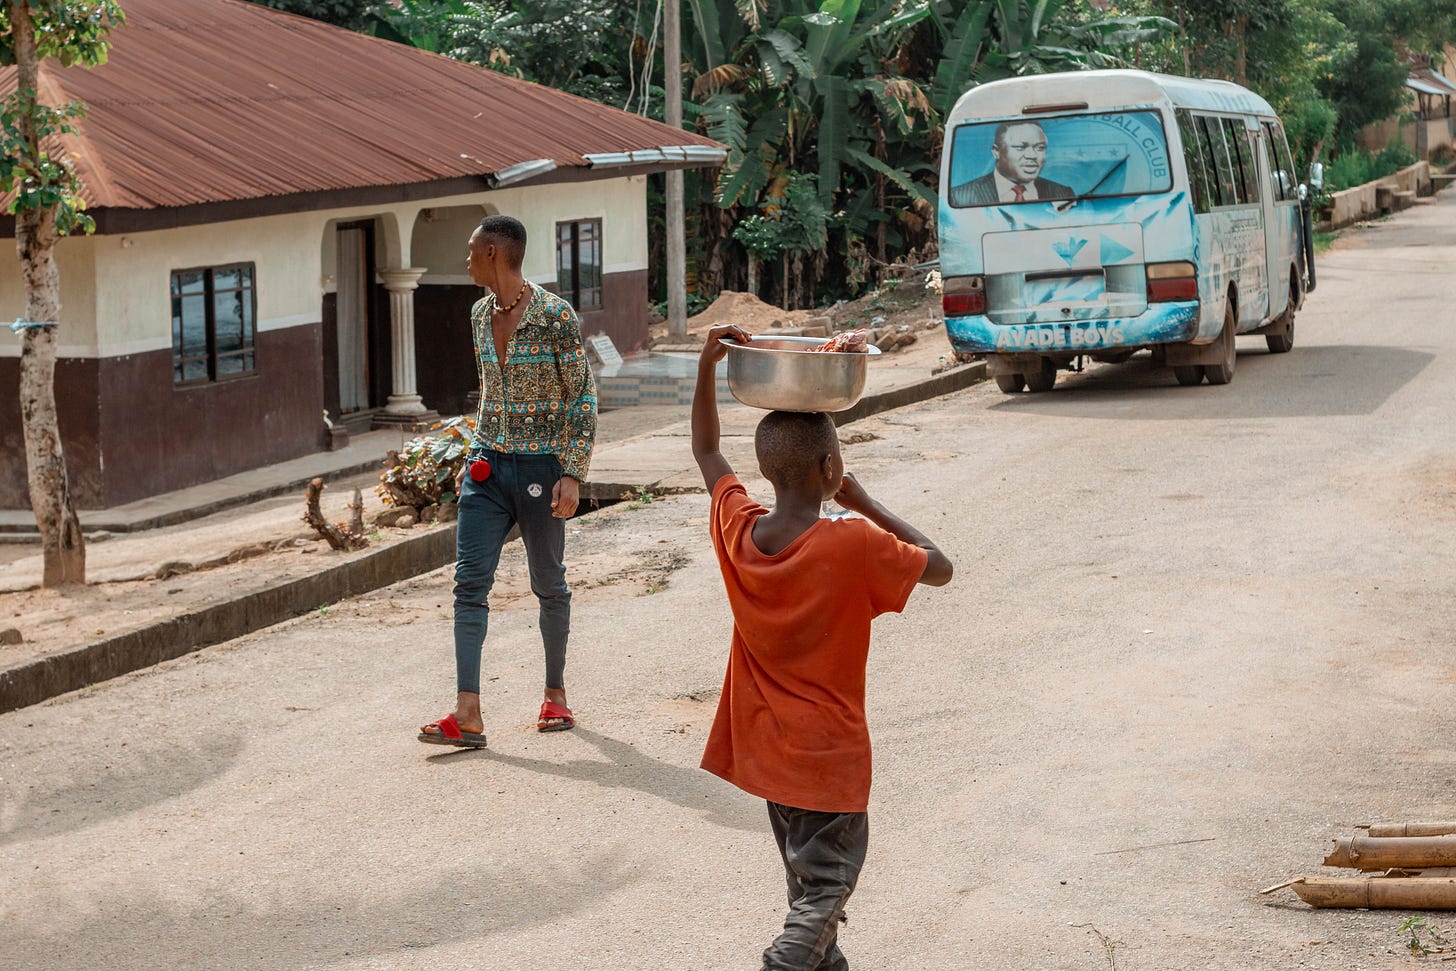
533	443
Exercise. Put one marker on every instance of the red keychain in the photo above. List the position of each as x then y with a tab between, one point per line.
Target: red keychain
480	470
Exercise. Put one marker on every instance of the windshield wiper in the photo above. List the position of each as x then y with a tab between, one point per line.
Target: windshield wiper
1064	206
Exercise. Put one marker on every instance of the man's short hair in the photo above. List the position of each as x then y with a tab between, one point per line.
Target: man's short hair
999	139
791	443
507	233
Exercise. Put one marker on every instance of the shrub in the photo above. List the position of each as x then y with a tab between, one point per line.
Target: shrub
1350	169
1394	157
423	472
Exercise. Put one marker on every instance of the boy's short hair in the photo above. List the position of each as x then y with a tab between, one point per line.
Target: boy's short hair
790	443
509	234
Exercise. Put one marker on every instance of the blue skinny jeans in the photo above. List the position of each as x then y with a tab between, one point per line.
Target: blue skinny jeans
518	493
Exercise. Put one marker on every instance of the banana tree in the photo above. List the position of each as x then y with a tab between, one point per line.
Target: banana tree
796	87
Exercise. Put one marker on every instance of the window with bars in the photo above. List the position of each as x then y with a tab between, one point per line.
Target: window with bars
579	263
214	311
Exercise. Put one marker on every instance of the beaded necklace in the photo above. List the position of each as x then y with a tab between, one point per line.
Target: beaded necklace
512	305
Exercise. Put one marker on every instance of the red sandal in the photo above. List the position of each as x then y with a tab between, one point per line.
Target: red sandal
550	710
450	734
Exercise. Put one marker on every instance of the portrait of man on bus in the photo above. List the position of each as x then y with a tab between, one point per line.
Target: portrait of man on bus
1018	153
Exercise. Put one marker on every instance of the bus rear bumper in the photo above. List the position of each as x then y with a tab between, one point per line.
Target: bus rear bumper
1161	323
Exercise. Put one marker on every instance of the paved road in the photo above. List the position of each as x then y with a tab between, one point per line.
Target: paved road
1194	634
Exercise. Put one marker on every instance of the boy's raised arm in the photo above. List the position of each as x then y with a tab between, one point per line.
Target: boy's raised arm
705	403
852	496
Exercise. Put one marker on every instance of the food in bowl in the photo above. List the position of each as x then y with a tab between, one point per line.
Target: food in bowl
848	342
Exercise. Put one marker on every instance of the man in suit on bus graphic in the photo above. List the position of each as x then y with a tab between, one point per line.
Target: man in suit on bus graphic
1019	150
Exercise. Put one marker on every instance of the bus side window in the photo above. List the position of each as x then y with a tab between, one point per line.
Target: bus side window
1286	163
1228	193
1244	173
1199	181
1278	177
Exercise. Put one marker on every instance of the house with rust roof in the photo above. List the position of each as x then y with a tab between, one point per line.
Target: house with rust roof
282	209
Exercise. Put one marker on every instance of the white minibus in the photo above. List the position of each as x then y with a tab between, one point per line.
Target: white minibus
1097	213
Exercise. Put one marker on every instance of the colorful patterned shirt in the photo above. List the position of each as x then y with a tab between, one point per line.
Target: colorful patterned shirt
544	402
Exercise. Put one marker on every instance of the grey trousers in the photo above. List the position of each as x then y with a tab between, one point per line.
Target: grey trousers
823	855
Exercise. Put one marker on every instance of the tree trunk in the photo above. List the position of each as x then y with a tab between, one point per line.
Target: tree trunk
62	544
880	196
1241	49
753	274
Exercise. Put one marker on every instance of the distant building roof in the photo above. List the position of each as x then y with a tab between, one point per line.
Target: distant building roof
206	102
1429	82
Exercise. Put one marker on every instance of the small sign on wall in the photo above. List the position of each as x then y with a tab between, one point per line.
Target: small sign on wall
606	352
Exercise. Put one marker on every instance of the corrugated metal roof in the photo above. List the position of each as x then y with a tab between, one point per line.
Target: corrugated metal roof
1417	84
207	101
1429	82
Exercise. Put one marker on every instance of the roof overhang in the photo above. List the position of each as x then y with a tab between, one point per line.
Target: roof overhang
690	155
112	221
1430	82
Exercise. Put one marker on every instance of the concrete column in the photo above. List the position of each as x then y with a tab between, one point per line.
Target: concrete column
404	406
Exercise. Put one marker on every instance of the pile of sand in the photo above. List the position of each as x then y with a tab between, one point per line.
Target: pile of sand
743	309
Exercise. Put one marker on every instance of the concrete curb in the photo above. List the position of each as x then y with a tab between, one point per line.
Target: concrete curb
92	522
956	379
46	677
34	681
947	382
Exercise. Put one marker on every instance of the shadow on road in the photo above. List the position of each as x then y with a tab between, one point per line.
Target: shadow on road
628	768
103	789
1316	381
273	925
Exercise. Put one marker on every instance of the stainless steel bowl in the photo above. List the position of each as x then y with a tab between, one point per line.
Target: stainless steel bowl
784	374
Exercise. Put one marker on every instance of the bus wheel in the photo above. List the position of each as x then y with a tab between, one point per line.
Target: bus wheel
1223	371
1188	375
1011	383
1043	379
1284	343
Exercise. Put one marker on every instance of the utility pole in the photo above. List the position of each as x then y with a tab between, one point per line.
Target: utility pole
677	310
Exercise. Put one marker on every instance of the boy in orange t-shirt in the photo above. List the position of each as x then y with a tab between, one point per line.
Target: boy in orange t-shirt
791	725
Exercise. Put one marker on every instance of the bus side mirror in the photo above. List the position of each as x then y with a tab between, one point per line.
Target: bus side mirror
1317	175
1303	192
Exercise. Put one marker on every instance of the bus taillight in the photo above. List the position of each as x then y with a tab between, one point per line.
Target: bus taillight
962	296
1172	281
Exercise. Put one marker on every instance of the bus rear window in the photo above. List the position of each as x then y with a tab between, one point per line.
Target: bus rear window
1037	160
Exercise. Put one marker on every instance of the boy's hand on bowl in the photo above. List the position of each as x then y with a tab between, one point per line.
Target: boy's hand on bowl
713	351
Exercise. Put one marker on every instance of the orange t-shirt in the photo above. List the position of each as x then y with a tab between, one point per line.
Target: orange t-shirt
791	721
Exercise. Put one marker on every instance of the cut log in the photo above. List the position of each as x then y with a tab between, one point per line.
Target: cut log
1413	829
1384	853
338	537
1386	893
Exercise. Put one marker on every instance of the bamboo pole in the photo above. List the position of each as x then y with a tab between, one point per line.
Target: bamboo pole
1412	829
1384	853
1386	893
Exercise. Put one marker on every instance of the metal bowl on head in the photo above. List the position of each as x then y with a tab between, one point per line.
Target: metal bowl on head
787	374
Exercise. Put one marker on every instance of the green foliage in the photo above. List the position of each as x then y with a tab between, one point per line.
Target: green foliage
39	179
578	46
1369	86
424	470
1394	157
795	222
426	24
1423	938
1357	166
1307	125
1049	36
350	14
71	31
1349	170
